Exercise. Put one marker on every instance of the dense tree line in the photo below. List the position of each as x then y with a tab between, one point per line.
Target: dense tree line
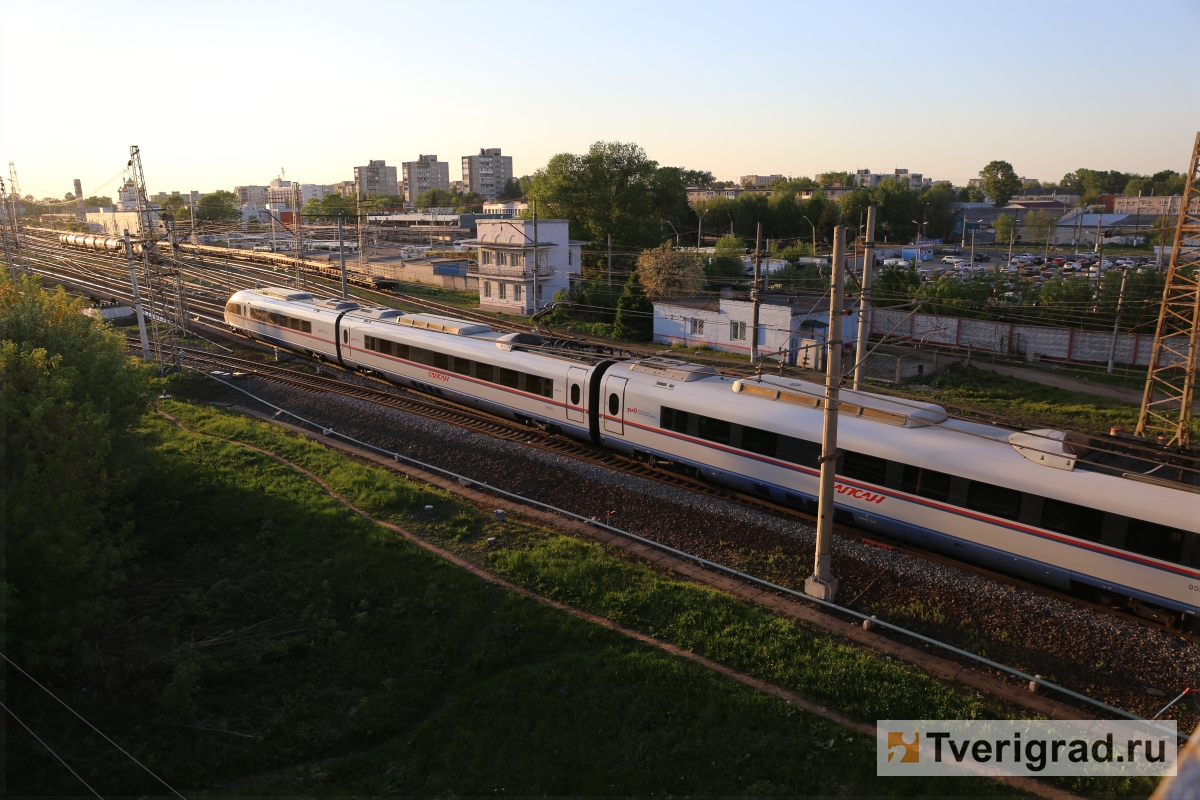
72	401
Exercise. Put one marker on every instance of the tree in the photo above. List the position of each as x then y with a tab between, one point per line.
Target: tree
635	313
666	272
178	207
220	206
1000	181
725	267
98	202
72	402
330	207
435	198
970	194
844	178
612	189
1004	226
1039	224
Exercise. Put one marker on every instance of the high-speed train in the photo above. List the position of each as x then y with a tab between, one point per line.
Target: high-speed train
1052	506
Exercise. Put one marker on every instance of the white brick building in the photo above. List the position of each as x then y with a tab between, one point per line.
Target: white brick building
790	327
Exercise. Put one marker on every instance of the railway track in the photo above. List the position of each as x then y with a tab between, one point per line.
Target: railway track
445	411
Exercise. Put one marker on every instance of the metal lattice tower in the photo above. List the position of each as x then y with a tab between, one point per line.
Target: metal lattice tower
149	247
1171	379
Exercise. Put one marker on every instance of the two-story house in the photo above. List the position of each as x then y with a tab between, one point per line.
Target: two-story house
508	278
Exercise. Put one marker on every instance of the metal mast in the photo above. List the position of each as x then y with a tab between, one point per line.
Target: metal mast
1171	379
147	233
13	198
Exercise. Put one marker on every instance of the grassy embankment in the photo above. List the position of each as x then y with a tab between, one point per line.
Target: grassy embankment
275	642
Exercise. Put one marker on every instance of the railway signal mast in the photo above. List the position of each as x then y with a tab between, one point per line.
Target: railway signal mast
1171	380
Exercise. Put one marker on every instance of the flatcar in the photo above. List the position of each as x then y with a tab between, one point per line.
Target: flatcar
1052	506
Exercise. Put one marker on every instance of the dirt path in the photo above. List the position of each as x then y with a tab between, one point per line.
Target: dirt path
1133	396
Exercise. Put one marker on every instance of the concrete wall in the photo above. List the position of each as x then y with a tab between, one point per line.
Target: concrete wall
1001	337
413	271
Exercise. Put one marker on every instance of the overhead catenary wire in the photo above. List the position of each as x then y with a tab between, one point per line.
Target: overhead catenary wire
90	725
50	750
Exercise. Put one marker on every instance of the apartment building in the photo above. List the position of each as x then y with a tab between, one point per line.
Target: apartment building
375	178
487	173
424	174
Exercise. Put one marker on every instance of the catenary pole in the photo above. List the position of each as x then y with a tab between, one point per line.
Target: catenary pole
1112	350
610	259
756	295
342	253
137	297
864	303
822	585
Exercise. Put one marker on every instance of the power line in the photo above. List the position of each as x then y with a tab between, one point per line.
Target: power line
56	755
90	725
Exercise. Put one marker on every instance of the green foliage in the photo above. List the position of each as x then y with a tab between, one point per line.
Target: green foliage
179	207
667	272
1005	226
220	206
1039	225
894	287
612	189
1164	183
635	313
72	399
516	188
844	178
1089	184
97	201
440	198
971	194
1000	181
330	207
725	267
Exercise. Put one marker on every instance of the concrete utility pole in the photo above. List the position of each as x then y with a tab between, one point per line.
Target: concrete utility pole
358	225
137	297
342	255
12	268
610	259
864	303
756	295
296	198
1012	237
80	214
192	204
822	585
1112	351
537	266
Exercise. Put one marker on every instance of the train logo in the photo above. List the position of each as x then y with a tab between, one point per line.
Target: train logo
897	745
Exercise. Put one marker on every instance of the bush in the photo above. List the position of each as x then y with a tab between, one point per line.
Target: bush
71	402
635	313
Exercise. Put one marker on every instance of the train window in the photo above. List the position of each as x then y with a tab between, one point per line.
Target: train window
508	377
575	394
307	326
765	443
258	315
1156	541
533	384
800	451
295	324
421	355
926	483
441	361
384	346
674	420
862	467
399	350
714	430
547	387
462	365
484	371
614	405
346	337
994	500
1078	521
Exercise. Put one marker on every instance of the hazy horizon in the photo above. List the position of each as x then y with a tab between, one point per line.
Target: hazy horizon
229	96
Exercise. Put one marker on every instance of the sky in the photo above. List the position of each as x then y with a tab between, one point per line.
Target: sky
218	94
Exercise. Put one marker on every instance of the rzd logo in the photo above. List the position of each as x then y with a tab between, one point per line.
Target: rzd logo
911	750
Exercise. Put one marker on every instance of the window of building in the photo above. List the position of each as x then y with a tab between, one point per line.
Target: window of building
517	292
737	331
570	257
696	326
503	291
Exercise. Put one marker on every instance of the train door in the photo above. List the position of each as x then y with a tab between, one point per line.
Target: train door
576	380
614	405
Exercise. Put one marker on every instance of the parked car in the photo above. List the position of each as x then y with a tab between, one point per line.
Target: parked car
982	257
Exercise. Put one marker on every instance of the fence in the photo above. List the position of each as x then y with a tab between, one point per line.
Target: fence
1031	341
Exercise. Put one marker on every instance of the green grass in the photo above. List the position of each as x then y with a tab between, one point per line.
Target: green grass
270	632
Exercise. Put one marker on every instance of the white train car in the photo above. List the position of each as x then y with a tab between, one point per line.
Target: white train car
462	361
1042	504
